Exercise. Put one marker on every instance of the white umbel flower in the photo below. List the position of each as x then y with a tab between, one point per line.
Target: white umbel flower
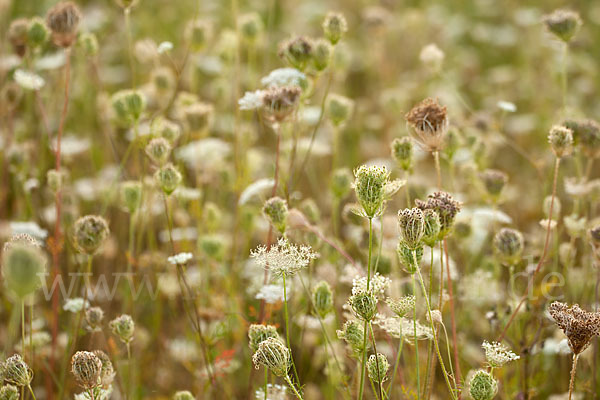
284	257
29	80
251	100
498	354
180	258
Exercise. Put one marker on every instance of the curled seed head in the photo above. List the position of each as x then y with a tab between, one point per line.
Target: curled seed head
508	243
17	35
341	182
564	24
579	326
107	373
402	152
411	224
87	368
432	227
63	21
378	366
162	127
273	354
168	178
561	140
280	102
258	333
429	122
16	371
364	305
445	206
483	386
369	184
89	43
89	233
123	327
334	27
158	149
586	134
321	55
322	297
277	211
407	256
37	32
128	106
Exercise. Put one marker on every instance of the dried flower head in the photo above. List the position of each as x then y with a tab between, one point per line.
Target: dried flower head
402	306
63	21
279	102
87	368
564	24
16	371
94	317
257	333
483	386
579	326
158	149
89	233
378	366
411	225
429	123
352	332
277	212
23	265
334	26
445	206
402	152
17	35
297	51
586	134
168	178
274	355
561	140
322	298
123	327
283	257
508	243
498	354
369	185
493	181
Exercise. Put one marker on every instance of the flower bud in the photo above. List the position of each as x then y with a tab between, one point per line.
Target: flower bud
131	195
432	227
564	24
494	182
322	299
369	185
86	367
16	371
88	43
339	108
128	106
37	32
378	366
94	317
89	233
258	333
123	327
63	21
168	178
341	182
251	26
411	224
402	152
23	267
561	140
364	305
509	245
483	386
402	306
334	27
162	127
9	392
407	258
158	149
353	333
276	210
273	354
321	54
297	52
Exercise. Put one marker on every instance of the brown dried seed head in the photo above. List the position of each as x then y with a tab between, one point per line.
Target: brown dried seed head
429	120
579	326
63	20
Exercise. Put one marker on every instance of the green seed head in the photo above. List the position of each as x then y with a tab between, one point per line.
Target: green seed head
402	152
159	150
131	195
123	327
162	127
37	32
322	299
494	181
352	332
56	179
378	366
407	259
334	27
23	267
297	52
431	232
339	108
89	43
411	224
128	106
483	386
402	306
564	24
364	305
321	54
273	354
341	182
369	185
16	371
89	233
163	80
258	333
251	26
168	178
276	210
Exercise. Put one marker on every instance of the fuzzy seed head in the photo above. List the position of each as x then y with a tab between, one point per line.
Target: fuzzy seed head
123	327
168	178
483	386
407	256
16	371
162	127
322	297
297	52
9	392
131	195
378	366
94	317
429	122
251	26
352	332
276	211
402	306
339	108
364	305
23	266
411	224
579	326
274	355
89	233
445	206
17	35
402	152
321	54
508	243
37	32
564	24
128	106
369	185
257	333
334	27
158	149
89	43
493	181
86	367
432	227
63	21
561	140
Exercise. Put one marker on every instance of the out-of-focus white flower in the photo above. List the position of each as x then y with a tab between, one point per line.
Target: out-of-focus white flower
180	258
185	233
99	394
378	284
183	350
432	56
274	392
204	154
403	328
506	106
255	189
271	294
75	304
51	61
164	47
72	145
29	80
251	100
285	77
30	228
186	193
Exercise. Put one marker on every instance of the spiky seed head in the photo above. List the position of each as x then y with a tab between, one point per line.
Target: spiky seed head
198	33
86	367
107	373
16	371
131	195
94	317
561	140
493	181
17	35
321	54
402	306
445	206
508	243
483	386
280	102
334	26
183	395
88	43
23	267
341	182
297	51
63	21
407	258
579	326
123	327
364	305
378	366
432	227
276	211
564	24
586	134
369	185
428	120
273	354
251	26
89	233
198	116
411	225
128	106
37	32
168	178
402	152
162	127
352	332
159	150
322	297
258	333
9	392
339	108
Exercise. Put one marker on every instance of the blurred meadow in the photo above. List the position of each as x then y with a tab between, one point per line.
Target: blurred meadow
268	199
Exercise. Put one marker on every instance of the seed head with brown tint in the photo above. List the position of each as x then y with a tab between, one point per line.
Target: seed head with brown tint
63	20
579	325
280	102
445	206
429	122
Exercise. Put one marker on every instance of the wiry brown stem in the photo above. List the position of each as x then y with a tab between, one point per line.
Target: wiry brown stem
573	370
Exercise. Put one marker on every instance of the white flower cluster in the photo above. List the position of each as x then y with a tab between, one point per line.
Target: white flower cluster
180	258
379	284
75	305
403	328
498	354
284	257
271	294
274	392
276	78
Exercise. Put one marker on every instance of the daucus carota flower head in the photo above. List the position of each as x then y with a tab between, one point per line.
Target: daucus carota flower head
428	121
364	305
334	26
402	152
107	373
128	106
445	206
123	327
321	54
283	257
9	392
276	211
411	225
322	298
564	24
63	21
352	332
158	149
402	306
131	195
483	386
16	371
494	181
87	368
279	102
432	227
339	108
579	326
297	51
561	140
273	354
369	185
94	317
409	258
23	266
257	333
168	178
508	244
378	366
497	354
89	233
377	285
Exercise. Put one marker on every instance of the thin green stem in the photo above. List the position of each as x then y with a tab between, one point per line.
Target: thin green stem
287	328
365	332
266	382
289	382
396	364
564	83
33	394
415	333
